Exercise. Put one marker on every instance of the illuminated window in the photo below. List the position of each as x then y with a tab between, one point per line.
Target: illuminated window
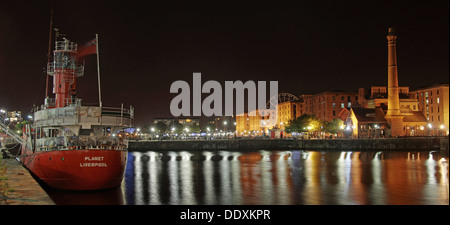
437	100
342	105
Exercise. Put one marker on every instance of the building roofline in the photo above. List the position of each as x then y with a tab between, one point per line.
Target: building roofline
430	87
326	92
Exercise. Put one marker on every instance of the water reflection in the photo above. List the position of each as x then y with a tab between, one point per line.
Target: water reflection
285	177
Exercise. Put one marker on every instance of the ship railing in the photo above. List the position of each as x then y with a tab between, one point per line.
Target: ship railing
74	109
50	103
81	142
66	45
77	69
122	112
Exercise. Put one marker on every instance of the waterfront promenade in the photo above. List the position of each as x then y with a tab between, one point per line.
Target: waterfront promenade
21	187
411	144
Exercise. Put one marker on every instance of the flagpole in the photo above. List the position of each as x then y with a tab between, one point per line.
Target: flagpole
98	70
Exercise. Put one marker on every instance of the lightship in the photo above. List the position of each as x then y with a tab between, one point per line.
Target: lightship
73	146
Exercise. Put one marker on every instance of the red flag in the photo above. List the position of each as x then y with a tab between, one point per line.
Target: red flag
88	49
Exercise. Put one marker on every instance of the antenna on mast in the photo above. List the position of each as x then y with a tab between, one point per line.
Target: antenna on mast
57	34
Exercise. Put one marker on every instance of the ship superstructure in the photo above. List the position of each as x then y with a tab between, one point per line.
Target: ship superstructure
70	145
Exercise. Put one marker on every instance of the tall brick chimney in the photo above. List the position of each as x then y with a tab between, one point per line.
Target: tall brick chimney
393	114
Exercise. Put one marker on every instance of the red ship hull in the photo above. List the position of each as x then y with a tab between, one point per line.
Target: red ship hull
90	169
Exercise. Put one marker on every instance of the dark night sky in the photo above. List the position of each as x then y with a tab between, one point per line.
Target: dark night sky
308	47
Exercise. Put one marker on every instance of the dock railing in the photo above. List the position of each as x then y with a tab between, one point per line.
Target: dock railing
9	131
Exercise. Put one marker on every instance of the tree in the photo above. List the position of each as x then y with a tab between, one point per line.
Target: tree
19	126
334	126
209	126
194	128
304	123
176	127
160	127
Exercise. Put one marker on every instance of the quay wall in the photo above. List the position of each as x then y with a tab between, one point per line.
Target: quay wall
24	189
287	144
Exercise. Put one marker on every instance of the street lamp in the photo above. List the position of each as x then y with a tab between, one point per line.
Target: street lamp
152	131
225	127
430	130
442	128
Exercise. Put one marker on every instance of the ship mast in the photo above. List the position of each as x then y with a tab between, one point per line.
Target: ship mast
49	50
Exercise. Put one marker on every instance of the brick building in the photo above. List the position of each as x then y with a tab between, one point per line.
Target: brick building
433	103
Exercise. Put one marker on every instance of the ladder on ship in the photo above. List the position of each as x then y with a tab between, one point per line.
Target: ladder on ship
8	131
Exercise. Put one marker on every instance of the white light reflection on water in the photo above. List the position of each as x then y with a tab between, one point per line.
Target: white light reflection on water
291	177
278	177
